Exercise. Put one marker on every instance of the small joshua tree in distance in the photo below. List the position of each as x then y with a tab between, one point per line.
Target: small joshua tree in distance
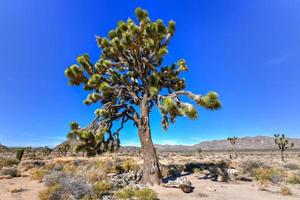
63	149
232	141
283	144
46	151
130	80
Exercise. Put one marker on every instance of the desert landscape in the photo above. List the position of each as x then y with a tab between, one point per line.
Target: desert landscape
149	100
187	173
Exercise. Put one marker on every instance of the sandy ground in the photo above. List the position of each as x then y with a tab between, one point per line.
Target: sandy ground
204	189
30	188
225	191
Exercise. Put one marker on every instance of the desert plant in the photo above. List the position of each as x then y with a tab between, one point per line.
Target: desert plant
101	188
284	190
19	154
283	144
38	174
46	151
232	141
129	79
130	165
53	178
8	162
63	149
294	179
199	151
141	194
10	171
54	192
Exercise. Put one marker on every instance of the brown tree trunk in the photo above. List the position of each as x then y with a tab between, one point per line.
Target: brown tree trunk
151	171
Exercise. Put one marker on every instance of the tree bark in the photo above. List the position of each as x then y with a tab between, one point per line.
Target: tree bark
151	170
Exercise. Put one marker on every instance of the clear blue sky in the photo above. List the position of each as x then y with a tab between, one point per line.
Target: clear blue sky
247	51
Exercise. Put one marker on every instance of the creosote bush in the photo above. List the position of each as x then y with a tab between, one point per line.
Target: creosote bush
8	162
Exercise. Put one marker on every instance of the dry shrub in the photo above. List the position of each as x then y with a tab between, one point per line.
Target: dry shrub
130	165
141	194
54	192
108	166
38	174
284	190
249	166
53	178
95	174
146	194
11	171
266	175
101	188
171	171
294	179
8	162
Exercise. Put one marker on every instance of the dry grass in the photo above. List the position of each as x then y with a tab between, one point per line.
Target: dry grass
284	190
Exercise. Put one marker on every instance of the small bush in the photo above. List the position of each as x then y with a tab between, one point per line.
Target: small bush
294	179
11	171
263	175
146	194
94	174
291	166
141	194
125	193
54	192
249	166
130	165
284	190
8	162
38	174
77	186
53	178
101	188
108	166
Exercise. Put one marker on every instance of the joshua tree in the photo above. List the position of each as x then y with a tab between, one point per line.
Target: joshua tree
199	150
46	151
129	79
92	143
233	141
19	154
283	144
63	149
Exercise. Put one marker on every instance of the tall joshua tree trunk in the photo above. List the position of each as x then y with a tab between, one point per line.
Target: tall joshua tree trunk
151	171
282	157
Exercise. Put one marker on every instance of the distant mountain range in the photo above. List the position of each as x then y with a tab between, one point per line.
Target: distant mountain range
251	143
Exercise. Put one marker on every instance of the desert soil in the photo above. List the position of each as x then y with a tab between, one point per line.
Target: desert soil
30	189
204	189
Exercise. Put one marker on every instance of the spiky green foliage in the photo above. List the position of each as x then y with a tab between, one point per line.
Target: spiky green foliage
129	72
283	143
19	154
63	149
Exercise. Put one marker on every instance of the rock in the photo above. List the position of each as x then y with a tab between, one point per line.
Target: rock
221	179
183	183
233	174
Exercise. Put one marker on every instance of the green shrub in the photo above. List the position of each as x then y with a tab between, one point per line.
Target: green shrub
53	192
146	194
140	194
130	165
101	187
39	174
125	193
266	175
294	179
8	162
